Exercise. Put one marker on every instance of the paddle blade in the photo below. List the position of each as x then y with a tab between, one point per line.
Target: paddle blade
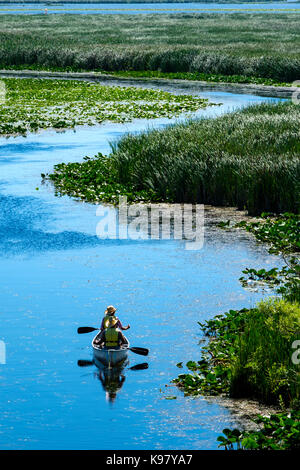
142	366
86	329
84	363
141	351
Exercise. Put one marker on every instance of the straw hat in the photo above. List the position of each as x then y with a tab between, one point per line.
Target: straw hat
110	310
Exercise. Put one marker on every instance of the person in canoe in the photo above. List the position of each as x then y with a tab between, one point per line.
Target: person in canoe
111	337
110	312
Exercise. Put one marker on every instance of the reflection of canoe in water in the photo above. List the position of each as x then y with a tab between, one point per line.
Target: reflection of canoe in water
111	378
110	357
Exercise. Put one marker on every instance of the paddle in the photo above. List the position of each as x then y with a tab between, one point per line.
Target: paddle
88	329
143	366
87	363
84	363
141	351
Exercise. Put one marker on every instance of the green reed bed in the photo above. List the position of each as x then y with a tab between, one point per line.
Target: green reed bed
33	104
241	44
254	353
249	354
248	159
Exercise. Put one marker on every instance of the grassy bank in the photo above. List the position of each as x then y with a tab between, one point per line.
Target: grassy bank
198	76
249	355
254	353
249	352
250	45
152	75
248	159
33	104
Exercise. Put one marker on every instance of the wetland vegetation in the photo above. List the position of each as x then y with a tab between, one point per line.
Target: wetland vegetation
198	76
248	159
249	45
251	352
33	104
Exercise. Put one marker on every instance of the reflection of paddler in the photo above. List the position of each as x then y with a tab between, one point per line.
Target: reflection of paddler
112	382
110	311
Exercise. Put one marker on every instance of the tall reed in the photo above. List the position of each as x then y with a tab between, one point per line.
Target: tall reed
252	45
248	159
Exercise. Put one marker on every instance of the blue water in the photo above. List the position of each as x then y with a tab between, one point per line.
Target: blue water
57	275
134	8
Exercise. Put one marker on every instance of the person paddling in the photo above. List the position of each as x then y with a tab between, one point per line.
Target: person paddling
111	337
110	312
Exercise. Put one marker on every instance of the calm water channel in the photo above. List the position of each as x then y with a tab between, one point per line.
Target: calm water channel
57	275
135	8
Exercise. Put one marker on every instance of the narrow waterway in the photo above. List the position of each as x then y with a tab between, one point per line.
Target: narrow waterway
144	8
57	275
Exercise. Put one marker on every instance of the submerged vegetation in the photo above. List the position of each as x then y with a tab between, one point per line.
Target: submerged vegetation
282	234
33	104
248	159
240	44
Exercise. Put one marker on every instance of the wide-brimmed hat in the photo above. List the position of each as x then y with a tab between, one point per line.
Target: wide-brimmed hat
110	310
111	321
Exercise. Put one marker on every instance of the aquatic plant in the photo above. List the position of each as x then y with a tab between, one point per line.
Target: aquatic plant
248	159
32	104
282	234
154	74
279	431
249	354
94	180
248	44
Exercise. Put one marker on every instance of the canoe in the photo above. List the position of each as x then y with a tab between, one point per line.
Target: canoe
110	357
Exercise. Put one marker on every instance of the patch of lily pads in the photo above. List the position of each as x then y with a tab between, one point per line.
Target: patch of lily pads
33	104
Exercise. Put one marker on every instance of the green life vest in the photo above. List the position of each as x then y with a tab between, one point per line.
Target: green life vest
106	320
111	337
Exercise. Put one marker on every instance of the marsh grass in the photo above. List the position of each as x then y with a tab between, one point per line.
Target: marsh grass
249	354
251	45
248	159
263	367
